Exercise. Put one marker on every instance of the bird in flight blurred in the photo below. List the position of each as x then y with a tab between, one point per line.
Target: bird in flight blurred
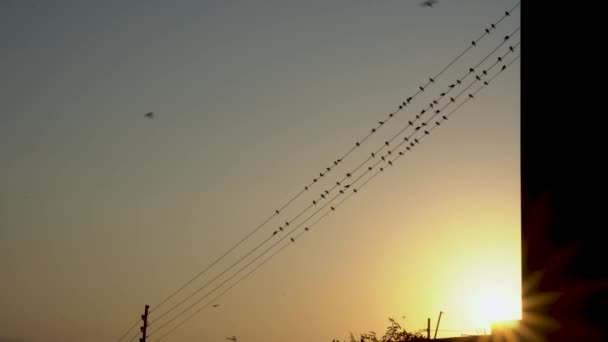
149	115
428	3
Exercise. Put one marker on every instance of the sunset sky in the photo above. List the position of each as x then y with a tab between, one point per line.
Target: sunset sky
103	210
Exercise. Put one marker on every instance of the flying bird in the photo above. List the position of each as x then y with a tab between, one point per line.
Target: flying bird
428	3
149	115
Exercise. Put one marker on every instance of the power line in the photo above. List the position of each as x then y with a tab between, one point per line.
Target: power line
471	96
328	169
287	223
128	331
224	292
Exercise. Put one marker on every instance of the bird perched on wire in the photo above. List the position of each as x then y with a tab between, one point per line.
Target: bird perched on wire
216	305
428	3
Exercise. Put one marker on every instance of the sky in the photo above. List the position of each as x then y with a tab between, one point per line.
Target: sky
103	211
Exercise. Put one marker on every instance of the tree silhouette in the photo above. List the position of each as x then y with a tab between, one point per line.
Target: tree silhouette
394	333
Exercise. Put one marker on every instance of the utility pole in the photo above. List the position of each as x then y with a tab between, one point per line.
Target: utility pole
428	328
144	327
437	328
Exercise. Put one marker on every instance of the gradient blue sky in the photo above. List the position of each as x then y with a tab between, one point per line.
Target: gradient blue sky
103	211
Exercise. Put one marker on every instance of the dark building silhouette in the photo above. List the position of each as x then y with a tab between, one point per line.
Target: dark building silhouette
565	254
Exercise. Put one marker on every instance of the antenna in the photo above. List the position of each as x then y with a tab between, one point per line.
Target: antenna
437	328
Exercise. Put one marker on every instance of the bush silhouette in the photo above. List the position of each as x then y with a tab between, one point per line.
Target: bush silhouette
394	333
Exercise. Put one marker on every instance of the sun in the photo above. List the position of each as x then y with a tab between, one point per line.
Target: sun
491	303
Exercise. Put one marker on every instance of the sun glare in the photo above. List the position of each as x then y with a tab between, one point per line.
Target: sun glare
494	303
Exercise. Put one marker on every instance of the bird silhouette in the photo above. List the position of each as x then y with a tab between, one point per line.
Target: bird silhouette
487	31
428	3
373	130
292	240
306	228
357	144
432	80
473	42
149	115
216	305
445	117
